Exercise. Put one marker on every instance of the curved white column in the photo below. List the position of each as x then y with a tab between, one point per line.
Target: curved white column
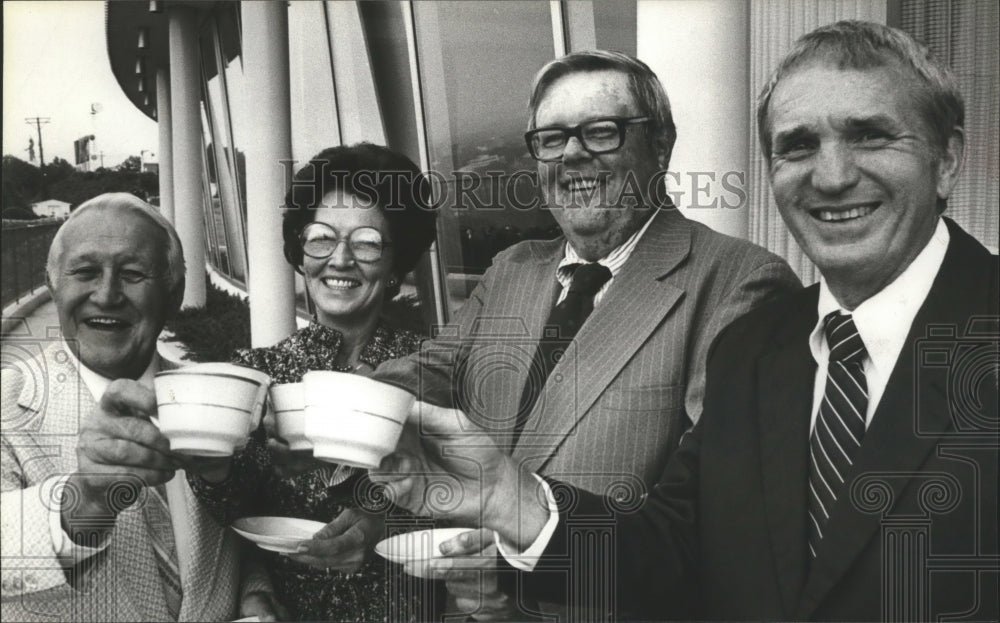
268	146
185	104
166	158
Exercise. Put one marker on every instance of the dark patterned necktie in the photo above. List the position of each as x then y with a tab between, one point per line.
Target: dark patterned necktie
561	327
840	424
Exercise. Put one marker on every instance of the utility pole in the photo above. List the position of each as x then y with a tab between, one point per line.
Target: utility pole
38	121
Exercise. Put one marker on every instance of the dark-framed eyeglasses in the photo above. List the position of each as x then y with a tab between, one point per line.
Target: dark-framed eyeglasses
598	136
319	241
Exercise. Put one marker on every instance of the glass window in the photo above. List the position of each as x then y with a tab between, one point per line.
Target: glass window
221	158
615	25
475	88
215	218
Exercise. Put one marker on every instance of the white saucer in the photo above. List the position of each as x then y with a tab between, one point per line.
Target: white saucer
277	534
422	546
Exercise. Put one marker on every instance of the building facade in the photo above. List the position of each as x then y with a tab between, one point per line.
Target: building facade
51	208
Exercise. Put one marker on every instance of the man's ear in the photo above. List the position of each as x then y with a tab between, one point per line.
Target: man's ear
950	163
662	157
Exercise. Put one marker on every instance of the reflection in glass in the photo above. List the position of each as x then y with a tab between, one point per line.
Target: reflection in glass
475	86
215	219
222	161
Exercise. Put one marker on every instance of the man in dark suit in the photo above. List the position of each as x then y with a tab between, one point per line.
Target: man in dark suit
845	464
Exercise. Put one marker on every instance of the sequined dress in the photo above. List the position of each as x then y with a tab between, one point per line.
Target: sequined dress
377	591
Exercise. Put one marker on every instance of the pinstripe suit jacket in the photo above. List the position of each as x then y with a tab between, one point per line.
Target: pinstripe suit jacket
616	404
44	401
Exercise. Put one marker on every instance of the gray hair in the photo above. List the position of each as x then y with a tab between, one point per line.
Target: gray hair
646	89
865	45
125	201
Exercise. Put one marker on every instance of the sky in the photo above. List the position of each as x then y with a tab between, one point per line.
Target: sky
55	65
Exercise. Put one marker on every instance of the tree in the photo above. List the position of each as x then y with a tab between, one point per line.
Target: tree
57	170
19	214
132	163
22	182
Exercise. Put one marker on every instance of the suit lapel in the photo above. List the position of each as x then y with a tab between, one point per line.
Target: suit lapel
526	297
785	381
54	391
903	431
636	303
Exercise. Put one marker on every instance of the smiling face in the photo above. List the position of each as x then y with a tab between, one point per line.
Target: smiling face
855	174
110	290
345	290
593	197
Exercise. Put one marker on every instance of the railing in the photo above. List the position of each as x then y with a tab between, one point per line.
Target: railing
24	247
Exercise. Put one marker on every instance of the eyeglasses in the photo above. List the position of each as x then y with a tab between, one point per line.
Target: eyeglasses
319	241
598	136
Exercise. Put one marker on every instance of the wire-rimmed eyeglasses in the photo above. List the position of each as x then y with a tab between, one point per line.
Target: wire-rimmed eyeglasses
319	241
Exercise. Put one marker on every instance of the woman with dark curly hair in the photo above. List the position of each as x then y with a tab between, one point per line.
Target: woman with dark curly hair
357	219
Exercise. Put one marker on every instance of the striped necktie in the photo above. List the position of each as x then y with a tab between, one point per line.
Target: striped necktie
840	424
161	534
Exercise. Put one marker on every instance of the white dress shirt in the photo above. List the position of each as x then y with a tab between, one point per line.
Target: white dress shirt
613	261
62	544
883	322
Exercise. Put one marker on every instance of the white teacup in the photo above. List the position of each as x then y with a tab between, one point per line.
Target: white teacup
209	409
288	402
353	420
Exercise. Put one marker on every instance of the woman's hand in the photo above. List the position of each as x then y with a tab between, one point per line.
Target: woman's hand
287	463
214	469
344	543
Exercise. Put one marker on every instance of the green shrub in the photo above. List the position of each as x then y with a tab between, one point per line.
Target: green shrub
213	332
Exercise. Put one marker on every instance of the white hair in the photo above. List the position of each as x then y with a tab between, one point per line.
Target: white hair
125	201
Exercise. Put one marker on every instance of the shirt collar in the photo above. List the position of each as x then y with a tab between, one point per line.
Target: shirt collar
98	384
613	261
883	320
